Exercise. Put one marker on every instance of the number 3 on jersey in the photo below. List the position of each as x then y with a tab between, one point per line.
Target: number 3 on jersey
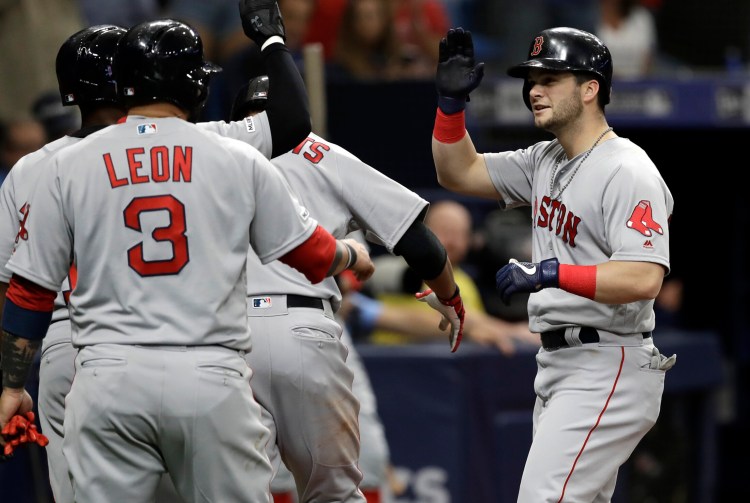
173	233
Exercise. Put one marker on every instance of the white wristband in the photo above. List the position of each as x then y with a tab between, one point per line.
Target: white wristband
272	40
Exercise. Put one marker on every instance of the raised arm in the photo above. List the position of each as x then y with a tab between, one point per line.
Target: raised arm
287	106
458	165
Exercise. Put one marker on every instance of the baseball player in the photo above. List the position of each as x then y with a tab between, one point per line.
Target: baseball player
85	79
600	252
374	455
157	214
300	374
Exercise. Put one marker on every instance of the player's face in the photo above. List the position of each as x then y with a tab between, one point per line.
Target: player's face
555	99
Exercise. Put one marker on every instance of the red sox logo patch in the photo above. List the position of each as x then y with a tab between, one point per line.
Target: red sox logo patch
642	220
538	41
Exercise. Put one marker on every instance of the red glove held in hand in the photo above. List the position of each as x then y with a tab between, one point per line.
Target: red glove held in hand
20	430
453	314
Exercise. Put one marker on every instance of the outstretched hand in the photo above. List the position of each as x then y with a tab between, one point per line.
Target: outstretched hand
453	313
457	73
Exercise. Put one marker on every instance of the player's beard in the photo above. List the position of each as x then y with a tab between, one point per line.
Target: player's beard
566	112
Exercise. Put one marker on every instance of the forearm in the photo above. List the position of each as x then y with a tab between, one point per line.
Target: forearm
17	358
321	256
461	169
344	257
444	285
426	256
288	108
621	282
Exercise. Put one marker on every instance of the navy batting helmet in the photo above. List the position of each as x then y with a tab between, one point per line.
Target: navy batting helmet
84	65
571	50
253	97
163	61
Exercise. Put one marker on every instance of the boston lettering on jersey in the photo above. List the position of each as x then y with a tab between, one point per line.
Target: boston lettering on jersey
555	216
159	166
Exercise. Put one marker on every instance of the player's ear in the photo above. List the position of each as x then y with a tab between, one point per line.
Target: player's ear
590	90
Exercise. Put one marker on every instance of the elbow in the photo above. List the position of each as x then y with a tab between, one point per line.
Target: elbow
448	182
648	288
652	290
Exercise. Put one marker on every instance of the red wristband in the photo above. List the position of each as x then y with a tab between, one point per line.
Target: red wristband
449	128
578	279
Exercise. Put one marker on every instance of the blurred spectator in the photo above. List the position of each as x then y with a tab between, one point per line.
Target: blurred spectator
324	25
385	39
400	318
31	32
388	40
57	120
125	13
367	47
420	24
628	29
18	138
297	15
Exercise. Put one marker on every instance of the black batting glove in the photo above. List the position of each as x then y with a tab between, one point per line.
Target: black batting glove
457	74
526	277
261	20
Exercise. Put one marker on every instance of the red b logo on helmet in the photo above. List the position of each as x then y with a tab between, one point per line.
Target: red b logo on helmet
537	46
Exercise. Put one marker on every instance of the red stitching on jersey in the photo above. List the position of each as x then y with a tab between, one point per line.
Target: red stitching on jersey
598	419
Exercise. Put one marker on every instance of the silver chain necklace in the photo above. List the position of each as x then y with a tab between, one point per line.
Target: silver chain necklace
570	179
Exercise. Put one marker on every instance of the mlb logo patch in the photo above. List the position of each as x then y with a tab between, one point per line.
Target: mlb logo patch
149	128
129	91
261	302
260	94
69	98
250	124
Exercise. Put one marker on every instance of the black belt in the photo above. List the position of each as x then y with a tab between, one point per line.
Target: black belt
555	339
303	301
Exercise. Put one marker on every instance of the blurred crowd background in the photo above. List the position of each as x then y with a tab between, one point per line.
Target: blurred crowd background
375	40
380	58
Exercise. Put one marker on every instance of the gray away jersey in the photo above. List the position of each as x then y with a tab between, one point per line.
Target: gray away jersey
22	179
344	194
14	196
157	214
617	207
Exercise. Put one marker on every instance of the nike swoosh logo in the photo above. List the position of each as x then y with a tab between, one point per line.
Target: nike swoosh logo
528	270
